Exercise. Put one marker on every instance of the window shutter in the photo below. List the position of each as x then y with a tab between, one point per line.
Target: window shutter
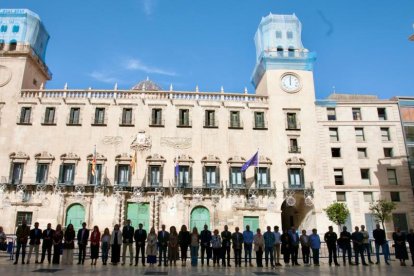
230	178
129	175
190	176
256	179
153	121
72	181
204	176
116	175
218	176
38	172
90	176
11	173
243	177
268	177
61	174
161	175
149	176
302	176
289	173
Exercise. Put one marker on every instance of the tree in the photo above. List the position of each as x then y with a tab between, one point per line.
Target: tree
337	212
382	210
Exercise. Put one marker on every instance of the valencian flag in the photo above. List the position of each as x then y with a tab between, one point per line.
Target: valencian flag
177	167
251	162
133	162
93	169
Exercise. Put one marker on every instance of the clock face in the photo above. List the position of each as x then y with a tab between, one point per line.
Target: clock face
290	83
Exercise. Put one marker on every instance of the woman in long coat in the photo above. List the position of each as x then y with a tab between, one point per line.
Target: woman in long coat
57	244
259	243
173	246
151	249
68	245
400	246
184	240
116	241
95	241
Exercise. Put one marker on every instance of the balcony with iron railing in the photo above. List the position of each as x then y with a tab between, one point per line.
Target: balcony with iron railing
127	121
184	123
235	124
293	125
71	121
156	122
298	186
294	149
211	124
97	121
259	125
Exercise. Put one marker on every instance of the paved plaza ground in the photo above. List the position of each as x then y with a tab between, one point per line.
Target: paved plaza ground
7	268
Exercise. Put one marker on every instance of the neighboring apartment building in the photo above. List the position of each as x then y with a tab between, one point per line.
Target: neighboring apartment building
175	157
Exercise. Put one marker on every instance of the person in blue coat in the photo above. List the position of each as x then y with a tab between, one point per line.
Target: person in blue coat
315	244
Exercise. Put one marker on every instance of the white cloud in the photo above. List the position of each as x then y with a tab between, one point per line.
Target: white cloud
103	77
135	64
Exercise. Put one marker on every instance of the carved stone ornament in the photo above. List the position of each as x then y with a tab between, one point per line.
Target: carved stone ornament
69	156
123	157
142	142
44	156
112	140
19	155
184	159
211	159
176	142
99	157
295	161
236	159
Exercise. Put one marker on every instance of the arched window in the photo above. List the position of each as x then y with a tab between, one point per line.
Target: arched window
16	29
13	45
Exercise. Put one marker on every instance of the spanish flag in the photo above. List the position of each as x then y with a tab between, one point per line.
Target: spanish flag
133	162
93	169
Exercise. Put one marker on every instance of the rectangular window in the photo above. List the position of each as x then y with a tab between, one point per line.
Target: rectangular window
388	152
210	119
356	114
293	145
184	177
155	176
365	177
42	173
67	174
25	115
97	178
336	152
409	133
184	117
333	134
331	113
235	119
368	197
289	35
127	117
296	178
362	153
16	29
24	216
339	176
359	134
211	176
341	196
291	121
392	176
99	116
156	117
259	121
400	221
16	173
49	116
123	175
385	134
382	114
74	116
3	28
262	177
395	196
236	176
278	34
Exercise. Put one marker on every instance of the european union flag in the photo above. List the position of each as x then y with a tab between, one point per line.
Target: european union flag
251	162
177	169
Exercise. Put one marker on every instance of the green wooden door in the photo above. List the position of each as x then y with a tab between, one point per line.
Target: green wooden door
253	222
75	215
139	213
200	216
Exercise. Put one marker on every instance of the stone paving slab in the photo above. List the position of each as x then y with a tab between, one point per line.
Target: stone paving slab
8	269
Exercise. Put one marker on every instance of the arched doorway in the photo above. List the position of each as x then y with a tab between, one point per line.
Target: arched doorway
200	216
75	214
299	215
139	213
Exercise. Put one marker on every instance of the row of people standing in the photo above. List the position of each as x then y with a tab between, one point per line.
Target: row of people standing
214	245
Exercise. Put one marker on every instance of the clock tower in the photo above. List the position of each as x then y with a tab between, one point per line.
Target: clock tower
283	72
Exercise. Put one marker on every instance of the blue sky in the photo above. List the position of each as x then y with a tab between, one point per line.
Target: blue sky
362	45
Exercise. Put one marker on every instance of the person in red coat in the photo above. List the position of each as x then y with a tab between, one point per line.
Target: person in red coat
95	240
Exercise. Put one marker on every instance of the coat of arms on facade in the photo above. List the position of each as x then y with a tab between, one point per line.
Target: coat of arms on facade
142	142
176	142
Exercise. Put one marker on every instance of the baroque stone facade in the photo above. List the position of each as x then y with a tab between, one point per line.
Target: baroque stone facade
175	157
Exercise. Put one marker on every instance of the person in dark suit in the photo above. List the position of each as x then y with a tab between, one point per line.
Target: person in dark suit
330	240
140	237
295	246
35	237
226	242
47	244
237	239
410	240
381	241
286	246
83	236
344	243
205	241
163	238
127	241
22	235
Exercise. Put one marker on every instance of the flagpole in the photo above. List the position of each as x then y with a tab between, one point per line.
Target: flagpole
96	175
258	167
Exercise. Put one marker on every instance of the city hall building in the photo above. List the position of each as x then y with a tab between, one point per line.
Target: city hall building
159	156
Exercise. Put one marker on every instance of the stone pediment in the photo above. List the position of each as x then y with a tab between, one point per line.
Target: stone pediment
70	156
236	159
295	161
211	159
19	155
99	157
123	157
